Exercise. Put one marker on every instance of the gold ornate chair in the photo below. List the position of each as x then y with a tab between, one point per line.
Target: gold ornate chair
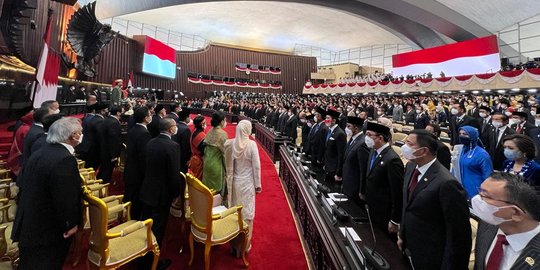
211	229
114	247
9	251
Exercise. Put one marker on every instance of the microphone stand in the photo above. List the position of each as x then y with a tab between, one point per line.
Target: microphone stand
374	258
339	212
408	254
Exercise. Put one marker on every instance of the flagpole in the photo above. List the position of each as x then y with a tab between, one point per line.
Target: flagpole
46	36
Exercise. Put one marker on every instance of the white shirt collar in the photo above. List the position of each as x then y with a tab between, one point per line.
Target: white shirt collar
38	124
332	128
519	241
356	136
69	148
423	169
140	124
166	134
382	148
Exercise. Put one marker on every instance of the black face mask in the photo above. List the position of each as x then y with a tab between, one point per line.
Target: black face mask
464	140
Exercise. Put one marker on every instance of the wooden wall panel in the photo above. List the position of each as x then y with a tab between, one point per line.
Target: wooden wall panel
119	58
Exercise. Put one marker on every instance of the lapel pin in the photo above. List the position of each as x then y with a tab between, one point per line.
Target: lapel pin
382	162
529	261
425	179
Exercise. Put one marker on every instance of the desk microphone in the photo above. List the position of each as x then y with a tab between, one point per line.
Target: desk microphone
374	258
408	254
339	212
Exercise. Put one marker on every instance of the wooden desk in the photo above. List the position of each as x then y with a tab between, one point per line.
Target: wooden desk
270	141
326	244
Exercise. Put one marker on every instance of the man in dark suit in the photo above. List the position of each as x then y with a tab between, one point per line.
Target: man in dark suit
175	109
81	93
355	159
83	148
435	225
291	125
159	113
384	179
458	120
162	182
508	236
137	138
306	124
110	142
422	119
443	152
282	120
485	122
474	111
94	127
335	142
410	114
71	95
183	138
496	133
49	200
317	137
35	132
520	125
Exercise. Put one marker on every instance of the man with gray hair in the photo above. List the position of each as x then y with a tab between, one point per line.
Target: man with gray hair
508	234
49	200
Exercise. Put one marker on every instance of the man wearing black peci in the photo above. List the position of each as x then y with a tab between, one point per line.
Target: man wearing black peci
183	138
355	159
335	142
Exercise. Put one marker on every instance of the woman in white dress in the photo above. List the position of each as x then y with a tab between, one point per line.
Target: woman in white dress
243	169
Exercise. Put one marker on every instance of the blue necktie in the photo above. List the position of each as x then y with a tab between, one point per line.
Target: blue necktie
328	135
373	158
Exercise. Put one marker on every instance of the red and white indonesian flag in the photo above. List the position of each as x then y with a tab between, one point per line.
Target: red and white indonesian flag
47	71
475	56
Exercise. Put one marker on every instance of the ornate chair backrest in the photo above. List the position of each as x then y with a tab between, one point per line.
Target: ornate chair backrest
200	202
98	223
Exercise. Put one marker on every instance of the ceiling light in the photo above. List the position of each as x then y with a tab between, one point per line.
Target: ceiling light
462	91
487	90
422	92
515	89
475	92
533	90
502	91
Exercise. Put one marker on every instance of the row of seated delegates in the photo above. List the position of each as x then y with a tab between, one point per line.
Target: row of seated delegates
374	156
521	66
381	77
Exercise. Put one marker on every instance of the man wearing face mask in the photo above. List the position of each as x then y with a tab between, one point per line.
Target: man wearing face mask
384	179
422	119
92	136
162	181
355	160
397	112
137	138
335	142
435	226
291	125
306	127
183	138
508	235
317	138
458	120
110	142
485	122
519	123
49	212
496	133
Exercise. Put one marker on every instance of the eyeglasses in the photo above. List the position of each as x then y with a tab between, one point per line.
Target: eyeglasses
482	195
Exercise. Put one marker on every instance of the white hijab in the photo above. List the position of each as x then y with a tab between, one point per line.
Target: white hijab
241	141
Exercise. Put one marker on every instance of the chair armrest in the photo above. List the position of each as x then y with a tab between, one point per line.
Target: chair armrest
112	198
131	228
6	181
228	212
4	213
90	182
3	201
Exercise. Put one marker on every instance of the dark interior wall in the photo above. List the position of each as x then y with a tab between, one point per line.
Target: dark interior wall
120	57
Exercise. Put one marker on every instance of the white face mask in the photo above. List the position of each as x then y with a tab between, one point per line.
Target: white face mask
369	142
533	113
485	211
497	124
515	121
408	152
454	111
303	120
175	131
349	132
483	115
57	111
80	139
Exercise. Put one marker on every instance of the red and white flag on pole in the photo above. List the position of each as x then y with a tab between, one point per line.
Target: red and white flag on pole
130	81
47	71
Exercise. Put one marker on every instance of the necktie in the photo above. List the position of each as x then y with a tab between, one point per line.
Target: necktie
372	162
497	136
494	261
349	144
414	180
328	135
518	129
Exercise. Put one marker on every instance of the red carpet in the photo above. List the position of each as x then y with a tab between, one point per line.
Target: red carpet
275	243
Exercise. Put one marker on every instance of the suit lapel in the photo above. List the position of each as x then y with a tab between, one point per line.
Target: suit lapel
353	144
485	235
530	256
425	180
378	159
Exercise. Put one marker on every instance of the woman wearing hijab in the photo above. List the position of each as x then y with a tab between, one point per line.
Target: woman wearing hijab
197	147
213	166
243	173
475	164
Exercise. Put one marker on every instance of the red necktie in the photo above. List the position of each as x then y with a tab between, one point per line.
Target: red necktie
414	180
494	261
518	129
